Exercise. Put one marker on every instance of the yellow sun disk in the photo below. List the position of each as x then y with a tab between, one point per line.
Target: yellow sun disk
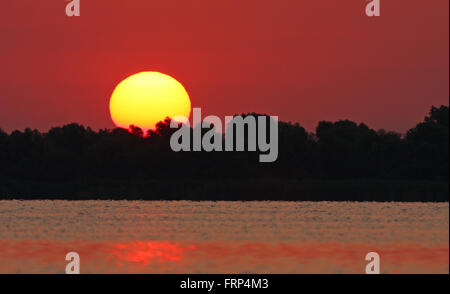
146	98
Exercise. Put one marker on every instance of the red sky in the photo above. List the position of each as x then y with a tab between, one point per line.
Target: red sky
303	60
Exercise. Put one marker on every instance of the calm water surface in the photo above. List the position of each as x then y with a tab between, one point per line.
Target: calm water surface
223	237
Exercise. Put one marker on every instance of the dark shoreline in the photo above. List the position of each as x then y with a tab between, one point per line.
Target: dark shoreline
340	161
230	190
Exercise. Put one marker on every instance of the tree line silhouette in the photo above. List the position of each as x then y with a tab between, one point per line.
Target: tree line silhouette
342	160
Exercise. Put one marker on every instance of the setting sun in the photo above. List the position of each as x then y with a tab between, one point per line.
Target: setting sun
146	98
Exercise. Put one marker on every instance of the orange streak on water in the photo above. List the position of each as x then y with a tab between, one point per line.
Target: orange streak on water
38	256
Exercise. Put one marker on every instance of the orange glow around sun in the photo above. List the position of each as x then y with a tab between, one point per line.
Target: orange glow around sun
146	98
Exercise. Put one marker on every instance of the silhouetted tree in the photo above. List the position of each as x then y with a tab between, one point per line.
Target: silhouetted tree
78	156
428	145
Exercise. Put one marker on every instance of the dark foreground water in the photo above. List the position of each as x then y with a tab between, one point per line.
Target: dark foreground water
223	237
